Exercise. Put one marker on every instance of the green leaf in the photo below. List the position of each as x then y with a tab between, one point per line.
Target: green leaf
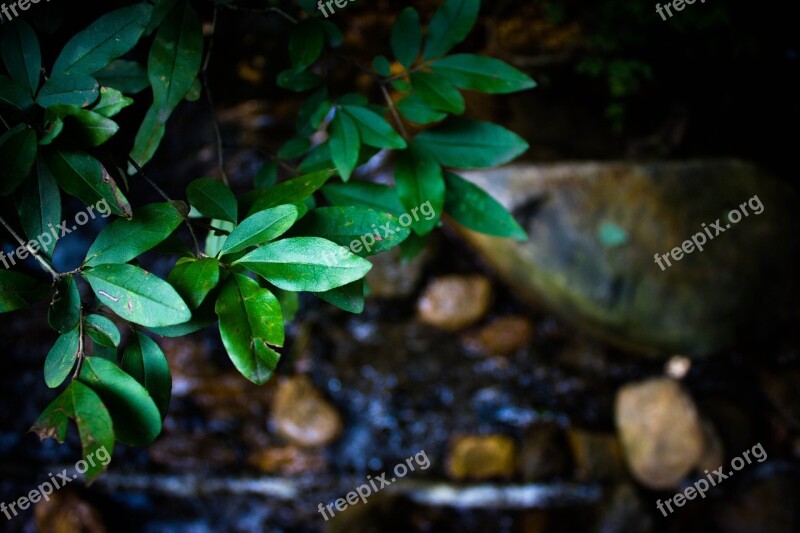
413	108
161	10
65	308
106	39
379	197
39	207
111	102
17	153
137	420
213	199
292	191
61	358
412	247
70	89
437	92
345	144
22	55
294	148
17	291
266	176
349	298
313	112
407	37
137	295
319	158
194	279
123	240
374	129
250	321
305	264
382	66
83	405
87	128
125	76
299	81
14	94
420	182
365	231
149	137
144	361
262	227
216	240
472	207
81	175
484	74
462	143
104	333
306	43
450	25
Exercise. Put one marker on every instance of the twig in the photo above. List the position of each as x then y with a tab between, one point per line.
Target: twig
210	100
39	258
395	114
81	355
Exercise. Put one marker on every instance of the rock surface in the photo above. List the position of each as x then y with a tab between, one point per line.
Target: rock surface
65	512
503	336
595	227
455	302
660	430
301	414
482	457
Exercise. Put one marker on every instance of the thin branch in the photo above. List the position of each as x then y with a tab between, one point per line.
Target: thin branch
81	354
5	123
47	266
210	100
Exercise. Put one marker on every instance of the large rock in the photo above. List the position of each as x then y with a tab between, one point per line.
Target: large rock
302	415
455	302
595	227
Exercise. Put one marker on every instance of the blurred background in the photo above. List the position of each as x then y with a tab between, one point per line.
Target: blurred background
562	384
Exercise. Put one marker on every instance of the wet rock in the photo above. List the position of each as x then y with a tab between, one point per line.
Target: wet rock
482	457
542	454
597	456
625	512
67	513
455	302
595	227
660	430
302	415
391	277
503	336
288	460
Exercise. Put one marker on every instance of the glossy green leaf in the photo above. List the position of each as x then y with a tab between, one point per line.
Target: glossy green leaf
262	227
123	240
68	89
137	295
129	77
103	332
149	137
345	144
437	92
419	181
373	128
266	176
299	81
292	191
17	291
365	231
414	108
144	361
194	279
484	74
17	153
65	307
363	193
87	128
81	175
22	54
462	143
213	199
349	298
305	264
294	148
450	25
382	66
407	37
250	321
111	102
39	207
61	358
137	420
14	94
306	43
106	39
80	403
216	239
472	207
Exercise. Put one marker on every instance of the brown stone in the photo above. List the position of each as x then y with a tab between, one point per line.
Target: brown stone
65	512
597	456
482	457
503	336
302	415
288	460
455	302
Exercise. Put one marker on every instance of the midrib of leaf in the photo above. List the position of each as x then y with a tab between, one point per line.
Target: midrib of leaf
131	291
112	36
